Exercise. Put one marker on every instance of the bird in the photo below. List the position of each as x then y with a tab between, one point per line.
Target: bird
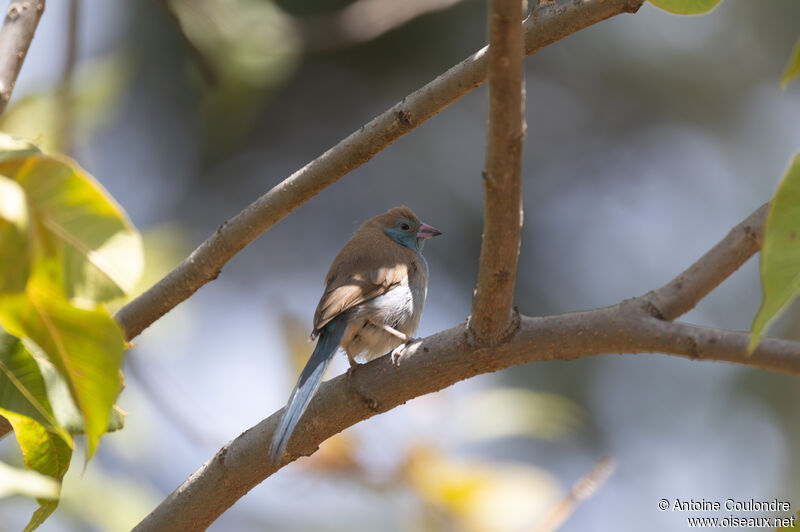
372	304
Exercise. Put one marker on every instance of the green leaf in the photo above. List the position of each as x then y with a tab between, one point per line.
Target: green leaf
793	68
686	7
15	250
100	251
22	388
85	346
66	412
44	451
780	254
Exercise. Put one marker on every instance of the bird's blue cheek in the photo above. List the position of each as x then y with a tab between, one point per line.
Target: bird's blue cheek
403	238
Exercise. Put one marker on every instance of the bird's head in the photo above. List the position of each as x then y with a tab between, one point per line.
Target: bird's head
403	226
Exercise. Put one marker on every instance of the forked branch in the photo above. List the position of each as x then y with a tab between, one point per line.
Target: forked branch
543	27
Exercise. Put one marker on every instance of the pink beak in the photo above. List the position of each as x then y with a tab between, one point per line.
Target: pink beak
426	231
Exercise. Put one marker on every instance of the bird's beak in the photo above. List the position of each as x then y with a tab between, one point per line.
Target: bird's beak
426	231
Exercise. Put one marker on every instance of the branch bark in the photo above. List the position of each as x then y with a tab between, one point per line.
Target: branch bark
438	361
502	204
205	263
15	39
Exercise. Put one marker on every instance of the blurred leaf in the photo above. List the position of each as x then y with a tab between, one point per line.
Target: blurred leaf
97	86
336	455
13	148
780	253
507	412
86	347
44	451
686	7
15	252
22	389
100	251
15	481
88	495
298	346
480	495
793	68
246	48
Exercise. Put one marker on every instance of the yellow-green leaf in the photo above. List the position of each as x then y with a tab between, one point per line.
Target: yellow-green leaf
686	7
85	346
99	250
15	249
44	451
780	254
13	148
793	68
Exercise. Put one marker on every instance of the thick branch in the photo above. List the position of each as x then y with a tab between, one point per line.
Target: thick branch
502	204
436	363
15	38
633	326
205	263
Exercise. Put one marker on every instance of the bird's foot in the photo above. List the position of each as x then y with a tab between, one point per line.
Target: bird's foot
398	351
370	400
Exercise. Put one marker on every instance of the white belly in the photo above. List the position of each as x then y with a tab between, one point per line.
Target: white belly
399	308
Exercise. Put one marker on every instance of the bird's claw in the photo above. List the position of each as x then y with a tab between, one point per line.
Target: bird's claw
398	351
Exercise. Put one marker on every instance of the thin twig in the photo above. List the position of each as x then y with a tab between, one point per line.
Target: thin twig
15	39
502	177
5	426
206	262
66	105
584	488
682	293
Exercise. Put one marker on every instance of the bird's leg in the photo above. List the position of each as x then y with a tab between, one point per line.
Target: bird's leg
368	398
397	352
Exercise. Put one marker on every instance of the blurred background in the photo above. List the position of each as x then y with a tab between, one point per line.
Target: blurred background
649	137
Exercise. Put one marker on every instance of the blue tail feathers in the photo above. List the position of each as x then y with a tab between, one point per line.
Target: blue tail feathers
307	385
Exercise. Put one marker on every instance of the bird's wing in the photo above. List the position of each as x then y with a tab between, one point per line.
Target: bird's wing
364	269
347	291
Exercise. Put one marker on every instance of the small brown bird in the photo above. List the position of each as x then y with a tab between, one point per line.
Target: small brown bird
372	304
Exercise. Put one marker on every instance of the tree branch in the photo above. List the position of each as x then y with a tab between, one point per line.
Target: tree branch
502	204
438	361
15	38
206	262
682	293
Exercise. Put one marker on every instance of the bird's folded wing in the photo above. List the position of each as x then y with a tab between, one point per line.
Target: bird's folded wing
351	283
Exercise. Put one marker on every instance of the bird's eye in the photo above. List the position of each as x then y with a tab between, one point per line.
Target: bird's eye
404	226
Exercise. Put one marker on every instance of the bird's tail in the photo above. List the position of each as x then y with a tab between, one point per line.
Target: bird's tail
307	385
